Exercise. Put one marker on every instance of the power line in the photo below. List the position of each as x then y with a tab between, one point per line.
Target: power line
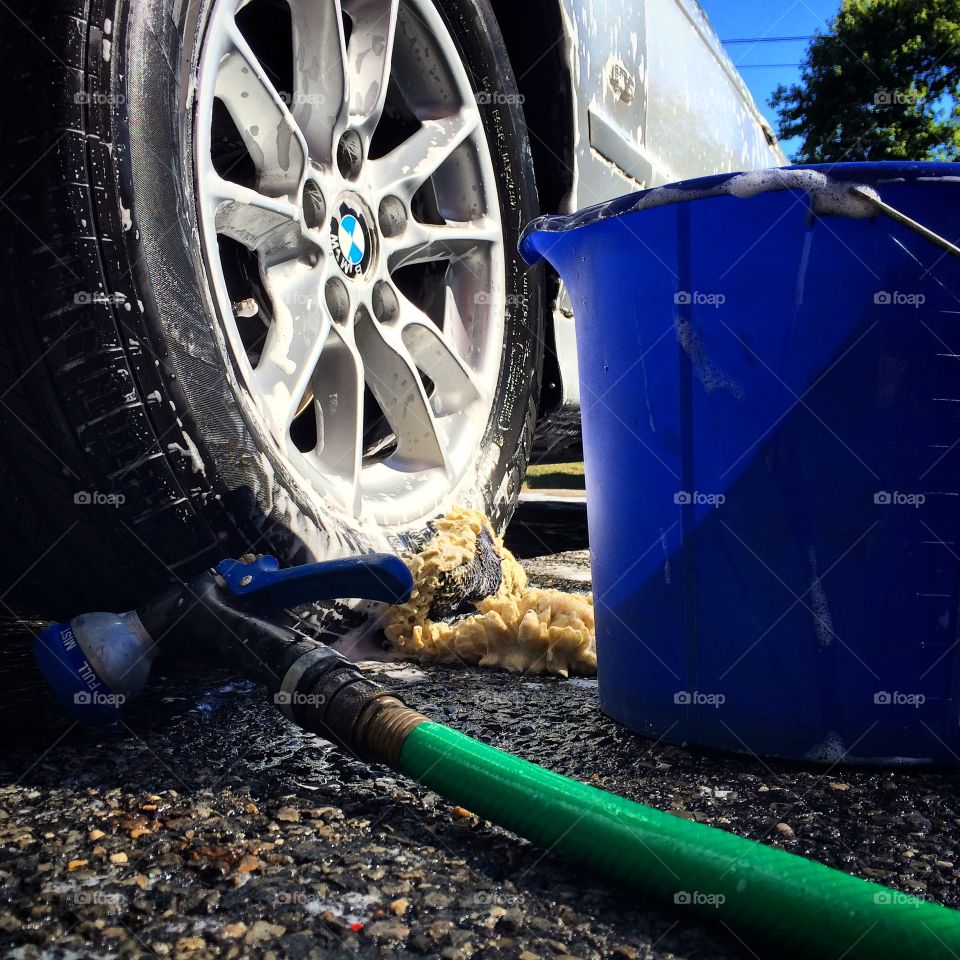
766	39
755	66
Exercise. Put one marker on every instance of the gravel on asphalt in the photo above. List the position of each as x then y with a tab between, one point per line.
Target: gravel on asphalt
206	825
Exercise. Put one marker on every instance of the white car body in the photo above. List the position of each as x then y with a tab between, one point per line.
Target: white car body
654	99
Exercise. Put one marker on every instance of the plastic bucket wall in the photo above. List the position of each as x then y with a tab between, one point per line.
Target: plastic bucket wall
770	382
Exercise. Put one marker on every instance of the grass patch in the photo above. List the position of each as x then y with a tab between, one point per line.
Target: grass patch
554	476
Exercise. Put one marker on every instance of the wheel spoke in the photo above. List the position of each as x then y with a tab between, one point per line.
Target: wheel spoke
293	344
455	387
269	132
338	402
392	376
246	215
369	55
320	81
427	242
405	168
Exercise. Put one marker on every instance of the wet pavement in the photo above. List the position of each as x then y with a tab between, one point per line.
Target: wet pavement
205	825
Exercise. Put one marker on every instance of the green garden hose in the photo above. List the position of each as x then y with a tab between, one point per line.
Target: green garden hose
802	906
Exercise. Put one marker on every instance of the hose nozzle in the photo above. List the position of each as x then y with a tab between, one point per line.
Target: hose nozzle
97	662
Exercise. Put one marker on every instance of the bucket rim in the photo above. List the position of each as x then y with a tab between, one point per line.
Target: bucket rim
740	184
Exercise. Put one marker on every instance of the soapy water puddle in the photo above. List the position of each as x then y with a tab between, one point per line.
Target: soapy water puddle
401	673
572	566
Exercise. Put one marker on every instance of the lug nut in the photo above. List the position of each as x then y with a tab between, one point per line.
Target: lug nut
350	155
314	208
386	306
338	300
392	216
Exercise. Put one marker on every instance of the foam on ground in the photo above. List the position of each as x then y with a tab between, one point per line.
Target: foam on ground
519	628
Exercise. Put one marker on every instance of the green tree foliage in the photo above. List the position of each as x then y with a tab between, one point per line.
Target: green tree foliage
882	84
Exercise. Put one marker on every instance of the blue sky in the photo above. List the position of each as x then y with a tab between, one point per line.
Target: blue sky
735	19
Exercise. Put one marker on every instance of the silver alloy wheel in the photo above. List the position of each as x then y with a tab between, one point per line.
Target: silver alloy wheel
366	338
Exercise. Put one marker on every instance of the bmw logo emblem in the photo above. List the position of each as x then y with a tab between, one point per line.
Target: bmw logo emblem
351	241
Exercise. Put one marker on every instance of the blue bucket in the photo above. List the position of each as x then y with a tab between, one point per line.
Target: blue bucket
770	384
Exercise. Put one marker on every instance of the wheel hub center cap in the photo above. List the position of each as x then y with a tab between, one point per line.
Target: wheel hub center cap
353	238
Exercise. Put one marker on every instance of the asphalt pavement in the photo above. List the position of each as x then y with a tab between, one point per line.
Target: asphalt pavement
205	825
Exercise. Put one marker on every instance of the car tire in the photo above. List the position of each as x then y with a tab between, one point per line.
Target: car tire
132	453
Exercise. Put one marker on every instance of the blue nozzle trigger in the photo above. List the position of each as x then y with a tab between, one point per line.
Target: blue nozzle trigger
374	576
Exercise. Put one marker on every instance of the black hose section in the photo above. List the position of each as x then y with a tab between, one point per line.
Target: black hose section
312	684
328	695
203	614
